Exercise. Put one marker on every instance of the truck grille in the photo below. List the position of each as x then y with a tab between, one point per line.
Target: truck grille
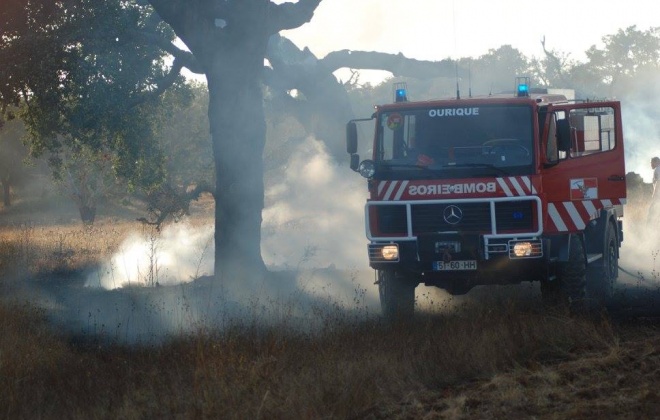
510	216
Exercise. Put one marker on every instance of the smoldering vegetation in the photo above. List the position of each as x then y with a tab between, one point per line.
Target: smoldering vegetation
116	320
491	356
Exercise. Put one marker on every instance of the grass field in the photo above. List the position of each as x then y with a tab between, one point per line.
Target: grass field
496	354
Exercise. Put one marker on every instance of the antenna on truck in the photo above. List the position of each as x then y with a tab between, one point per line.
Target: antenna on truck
470	78
458	91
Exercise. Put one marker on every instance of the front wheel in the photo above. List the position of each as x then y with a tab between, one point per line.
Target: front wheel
570	286
397	294
601	278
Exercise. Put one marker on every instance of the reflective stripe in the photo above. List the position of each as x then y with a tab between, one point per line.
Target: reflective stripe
575	216
388	194
517	186
592	211
556	218
404	184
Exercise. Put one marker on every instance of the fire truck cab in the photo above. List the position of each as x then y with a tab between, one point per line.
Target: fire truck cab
494	190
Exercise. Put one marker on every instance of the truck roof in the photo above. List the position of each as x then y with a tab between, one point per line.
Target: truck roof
504	98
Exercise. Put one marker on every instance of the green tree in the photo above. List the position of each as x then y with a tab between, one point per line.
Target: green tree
87	175
12	155
625	54
182	130
496	71
88	82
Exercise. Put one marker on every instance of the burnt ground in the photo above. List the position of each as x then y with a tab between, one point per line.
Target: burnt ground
621	382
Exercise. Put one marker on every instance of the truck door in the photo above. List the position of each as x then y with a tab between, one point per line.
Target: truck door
584	169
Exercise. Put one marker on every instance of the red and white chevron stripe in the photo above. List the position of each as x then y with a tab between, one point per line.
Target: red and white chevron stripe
574	215
391	190
513	186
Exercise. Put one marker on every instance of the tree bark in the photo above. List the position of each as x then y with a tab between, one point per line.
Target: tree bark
87	214
238	132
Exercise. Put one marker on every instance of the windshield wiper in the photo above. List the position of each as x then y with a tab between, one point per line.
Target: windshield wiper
477	165
410	166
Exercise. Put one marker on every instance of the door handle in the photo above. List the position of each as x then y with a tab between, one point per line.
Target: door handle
616	178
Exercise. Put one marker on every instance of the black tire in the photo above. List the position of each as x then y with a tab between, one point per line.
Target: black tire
571	277
397	294
601	277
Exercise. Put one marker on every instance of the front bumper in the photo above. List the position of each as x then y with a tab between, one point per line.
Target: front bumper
478	259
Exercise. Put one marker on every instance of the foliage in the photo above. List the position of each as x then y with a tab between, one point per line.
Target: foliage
609	71
12	155
182	130
86	175
498	69
625	53
86	76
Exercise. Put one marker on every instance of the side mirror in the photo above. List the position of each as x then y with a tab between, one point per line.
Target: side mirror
351	138
563	135
355	161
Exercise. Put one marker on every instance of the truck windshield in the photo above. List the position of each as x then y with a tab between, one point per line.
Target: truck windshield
483	139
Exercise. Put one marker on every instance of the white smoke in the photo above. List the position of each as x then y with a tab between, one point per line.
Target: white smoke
313	240
641	112
315	219
317	213
178	254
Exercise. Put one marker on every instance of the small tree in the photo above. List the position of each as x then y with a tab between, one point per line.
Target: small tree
12	156
86	175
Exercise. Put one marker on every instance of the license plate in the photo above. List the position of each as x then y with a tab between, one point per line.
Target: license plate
455	265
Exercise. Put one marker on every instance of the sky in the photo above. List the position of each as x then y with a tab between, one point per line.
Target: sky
438	29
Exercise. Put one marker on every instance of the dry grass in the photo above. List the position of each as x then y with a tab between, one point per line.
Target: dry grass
495	358
474	362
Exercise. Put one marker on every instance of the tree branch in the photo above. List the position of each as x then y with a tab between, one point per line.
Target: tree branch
163	85
397	64
186	58
167	9
290	15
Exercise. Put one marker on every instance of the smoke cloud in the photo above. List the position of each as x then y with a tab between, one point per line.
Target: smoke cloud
315	219
316	215
313	240
641	113
180	253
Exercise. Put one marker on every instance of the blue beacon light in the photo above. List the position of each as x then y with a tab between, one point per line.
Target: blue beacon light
401	95
400	92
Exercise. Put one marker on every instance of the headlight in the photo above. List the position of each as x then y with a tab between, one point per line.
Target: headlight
367	168
525	249
522	249
390	252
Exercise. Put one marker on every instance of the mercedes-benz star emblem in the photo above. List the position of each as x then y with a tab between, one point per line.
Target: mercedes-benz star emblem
453	215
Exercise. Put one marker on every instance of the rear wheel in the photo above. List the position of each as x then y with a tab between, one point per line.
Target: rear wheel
397	294
601	278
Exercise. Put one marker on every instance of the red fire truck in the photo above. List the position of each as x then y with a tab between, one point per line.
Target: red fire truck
494	190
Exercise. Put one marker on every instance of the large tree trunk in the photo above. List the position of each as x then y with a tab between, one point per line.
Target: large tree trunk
228	39
238	132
